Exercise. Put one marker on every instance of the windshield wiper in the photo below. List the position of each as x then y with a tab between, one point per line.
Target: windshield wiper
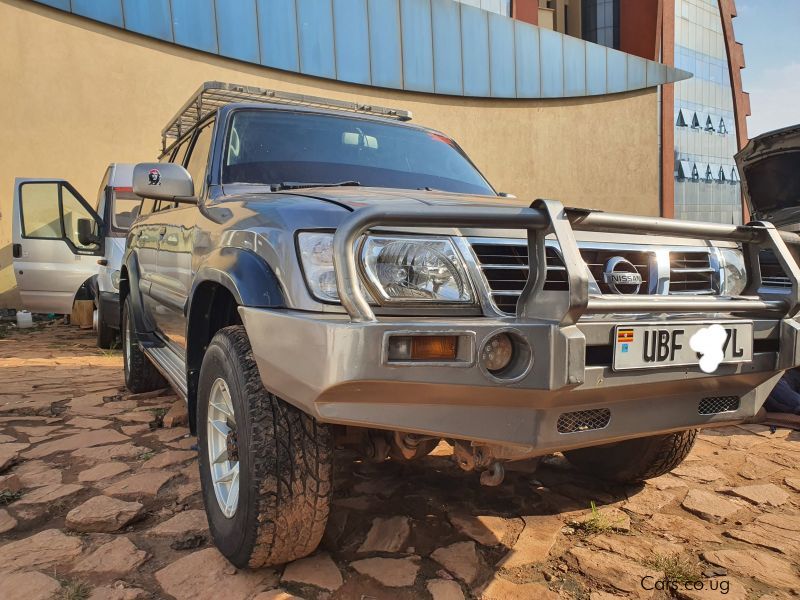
297	185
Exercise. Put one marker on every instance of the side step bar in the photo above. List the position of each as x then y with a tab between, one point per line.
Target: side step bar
171	366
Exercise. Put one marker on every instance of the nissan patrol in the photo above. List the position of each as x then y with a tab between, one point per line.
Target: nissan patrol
306	269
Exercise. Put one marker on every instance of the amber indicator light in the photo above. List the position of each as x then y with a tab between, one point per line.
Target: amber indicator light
423	347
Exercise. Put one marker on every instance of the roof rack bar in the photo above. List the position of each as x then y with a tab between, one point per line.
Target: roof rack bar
212	95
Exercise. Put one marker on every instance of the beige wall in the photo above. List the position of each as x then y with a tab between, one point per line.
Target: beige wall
78	95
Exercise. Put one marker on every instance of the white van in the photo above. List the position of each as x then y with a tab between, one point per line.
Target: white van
67	249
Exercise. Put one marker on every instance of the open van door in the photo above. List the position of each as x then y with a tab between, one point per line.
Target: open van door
56	241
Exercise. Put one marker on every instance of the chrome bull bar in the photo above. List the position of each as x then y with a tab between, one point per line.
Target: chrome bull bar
563	309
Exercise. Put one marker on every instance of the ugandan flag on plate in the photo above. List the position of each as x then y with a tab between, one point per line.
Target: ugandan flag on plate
624	336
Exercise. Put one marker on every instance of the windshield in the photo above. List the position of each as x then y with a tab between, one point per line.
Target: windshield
273	147
126	209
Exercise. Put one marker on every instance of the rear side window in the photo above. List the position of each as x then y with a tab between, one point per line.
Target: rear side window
198	159
180	152
126	209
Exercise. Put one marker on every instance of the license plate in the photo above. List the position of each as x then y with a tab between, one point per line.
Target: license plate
659	345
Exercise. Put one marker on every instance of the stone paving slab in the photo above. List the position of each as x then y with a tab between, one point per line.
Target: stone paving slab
77	452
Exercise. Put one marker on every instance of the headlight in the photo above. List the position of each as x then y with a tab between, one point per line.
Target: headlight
400	269
415	269
734	274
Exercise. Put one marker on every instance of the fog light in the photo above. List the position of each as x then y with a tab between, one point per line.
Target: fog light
497	353
423	347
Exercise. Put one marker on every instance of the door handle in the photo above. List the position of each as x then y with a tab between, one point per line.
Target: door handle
16	250
162	231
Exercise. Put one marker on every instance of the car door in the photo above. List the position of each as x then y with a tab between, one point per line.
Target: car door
174	270
50	260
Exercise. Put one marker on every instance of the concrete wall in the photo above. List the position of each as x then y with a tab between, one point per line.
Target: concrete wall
78	95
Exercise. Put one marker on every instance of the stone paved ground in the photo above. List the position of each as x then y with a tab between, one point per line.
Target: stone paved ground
99	500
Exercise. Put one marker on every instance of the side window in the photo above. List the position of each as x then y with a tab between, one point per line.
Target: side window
41	218
180	153
51	210
198	159
148	206
72	212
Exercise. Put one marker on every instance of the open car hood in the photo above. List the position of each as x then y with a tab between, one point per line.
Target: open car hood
770	172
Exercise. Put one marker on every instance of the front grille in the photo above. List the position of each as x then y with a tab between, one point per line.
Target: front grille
583	420
505	267
691	273
715	405
772	273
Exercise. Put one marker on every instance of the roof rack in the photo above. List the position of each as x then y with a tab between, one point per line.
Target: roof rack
214	94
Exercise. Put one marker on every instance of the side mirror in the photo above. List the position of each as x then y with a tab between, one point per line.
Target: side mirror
163	181
85	234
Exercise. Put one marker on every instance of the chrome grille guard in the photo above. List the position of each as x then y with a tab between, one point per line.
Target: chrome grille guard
564	308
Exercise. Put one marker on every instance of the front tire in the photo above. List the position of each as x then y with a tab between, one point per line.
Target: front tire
140	374
265	466
633	461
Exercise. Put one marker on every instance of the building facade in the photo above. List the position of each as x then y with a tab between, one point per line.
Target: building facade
704	118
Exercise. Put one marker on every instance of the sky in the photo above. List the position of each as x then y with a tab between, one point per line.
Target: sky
770	32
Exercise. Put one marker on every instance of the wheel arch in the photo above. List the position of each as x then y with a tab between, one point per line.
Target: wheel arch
229	278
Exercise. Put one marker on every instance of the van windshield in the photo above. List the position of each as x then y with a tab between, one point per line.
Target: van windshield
126	209
272	147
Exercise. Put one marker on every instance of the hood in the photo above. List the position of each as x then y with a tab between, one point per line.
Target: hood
356	197
770	171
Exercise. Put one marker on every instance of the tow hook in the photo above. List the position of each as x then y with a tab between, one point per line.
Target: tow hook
494	475
480	458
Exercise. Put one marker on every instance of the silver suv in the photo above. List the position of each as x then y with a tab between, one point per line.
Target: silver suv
306	270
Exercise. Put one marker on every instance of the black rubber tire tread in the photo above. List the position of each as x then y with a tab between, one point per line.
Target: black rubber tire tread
105	334
291	467
633	461
142	375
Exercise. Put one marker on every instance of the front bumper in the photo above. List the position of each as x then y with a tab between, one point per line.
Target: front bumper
337	371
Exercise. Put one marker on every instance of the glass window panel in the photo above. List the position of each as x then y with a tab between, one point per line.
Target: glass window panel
237	29
72	212
39	210
193	24
475	51
148	17
617	72
552	63
277	23
501	44
526	46
446	24
595	69
574	66
352	40
637	72
107	12
384	36
417	47
62	4
315	26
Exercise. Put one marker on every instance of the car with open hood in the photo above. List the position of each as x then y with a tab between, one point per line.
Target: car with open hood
311	273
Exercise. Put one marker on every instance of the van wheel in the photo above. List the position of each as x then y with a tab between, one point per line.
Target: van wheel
105	334
635	460
140	374
265	466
